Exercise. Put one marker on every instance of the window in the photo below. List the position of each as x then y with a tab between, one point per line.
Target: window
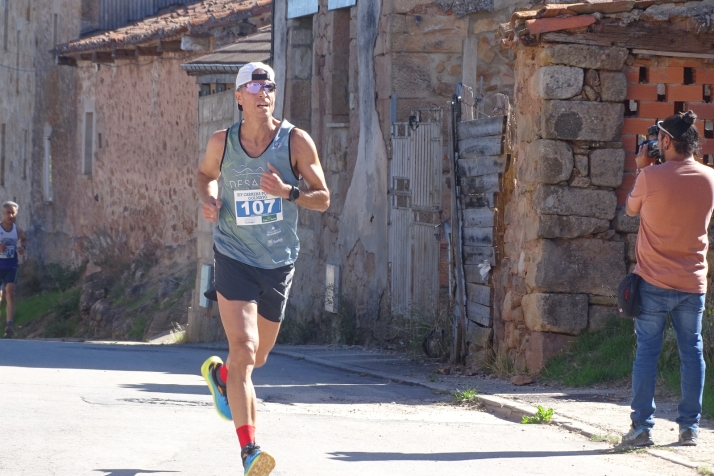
3	135
47	182
335	4
88	143
301	8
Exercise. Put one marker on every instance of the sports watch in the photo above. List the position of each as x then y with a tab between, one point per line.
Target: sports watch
294	194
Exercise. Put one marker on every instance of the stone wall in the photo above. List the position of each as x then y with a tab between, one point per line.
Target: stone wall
565	243
140	187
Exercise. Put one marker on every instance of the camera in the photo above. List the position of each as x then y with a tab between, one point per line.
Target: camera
650	141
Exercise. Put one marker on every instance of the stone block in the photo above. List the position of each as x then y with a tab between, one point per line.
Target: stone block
625	223
613	86
543	346
486	52
581	120
411	72
582	56
598	316
609	301
300	64
632	248
547	161
428	33
557	226
485	25
464	7
580	266
581	163
300	37
557	82
561	313
606	167
556	200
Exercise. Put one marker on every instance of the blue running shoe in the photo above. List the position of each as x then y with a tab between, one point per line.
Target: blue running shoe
257	462
209	370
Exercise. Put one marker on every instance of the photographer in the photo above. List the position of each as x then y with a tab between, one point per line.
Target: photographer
675	201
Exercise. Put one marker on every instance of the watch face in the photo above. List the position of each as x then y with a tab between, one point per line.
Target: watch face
294	193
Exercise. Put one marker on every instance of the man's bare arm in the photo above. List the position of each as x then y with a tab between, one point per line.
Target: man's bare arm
317	196
207	176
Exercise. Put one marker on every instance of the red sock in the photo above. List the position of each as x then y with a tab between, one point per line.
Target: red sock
223	373
246	435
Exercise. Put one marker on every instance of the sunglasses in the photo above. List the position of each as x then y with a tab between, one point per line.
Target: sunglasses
254	88
659	125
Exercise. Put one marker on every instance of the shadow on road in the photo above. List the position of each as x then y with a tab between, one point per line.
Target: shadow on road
282	380
464	456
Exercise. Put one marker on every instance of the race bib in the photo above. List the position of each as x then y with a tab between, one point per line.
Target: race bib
9	252
255	207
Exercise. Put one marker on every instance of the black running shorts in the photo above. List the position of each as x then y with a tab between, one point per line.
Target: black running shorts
8	276
269	288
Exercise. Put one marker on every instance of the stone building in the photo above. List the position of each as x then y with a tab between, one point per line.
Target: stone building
128	168
532	238
589	79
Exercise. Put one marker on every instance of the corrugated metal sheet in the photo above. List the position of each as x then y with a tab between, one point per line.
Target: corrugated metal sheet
114	14
415	189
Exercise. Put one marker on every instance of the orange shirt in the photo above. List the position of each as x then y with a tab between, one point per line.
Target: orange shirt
675	201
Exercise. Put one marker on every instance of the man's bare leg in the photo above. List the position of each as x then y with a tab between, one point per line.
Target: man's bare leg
251	337
10	298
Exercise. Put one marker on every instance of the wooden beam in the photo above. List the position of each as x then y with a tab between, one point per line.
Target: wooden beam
170	46
102	57
640	35
674	54
152	50
65	61
124	53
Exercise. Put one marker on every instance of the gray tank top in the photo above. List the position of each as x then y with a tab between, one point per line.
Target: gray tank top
253	227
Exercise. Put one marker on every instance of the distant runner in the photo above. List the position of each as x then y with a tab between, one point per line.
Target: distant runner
10	236
261	160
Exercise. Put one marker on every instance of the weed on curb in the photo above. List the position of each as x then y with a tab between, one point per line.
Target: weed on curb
468	396
705	471
609	438
541	416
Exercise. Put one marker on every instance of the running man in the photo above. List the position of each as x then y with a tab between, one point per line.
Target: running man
10	236
261	161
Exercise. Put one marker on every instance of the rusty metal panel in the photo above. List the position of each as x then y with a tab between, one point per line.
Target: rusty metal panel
415	198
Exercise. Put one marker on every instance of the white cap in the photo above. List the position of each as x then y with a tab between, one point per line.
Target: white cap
245	74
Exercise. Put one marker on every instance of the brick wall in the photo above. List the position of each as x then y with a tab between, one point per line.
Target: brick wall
658	88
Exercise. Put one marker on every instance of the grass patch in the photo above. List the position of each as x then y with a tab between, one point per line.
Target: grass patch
605	355
704	471
469	395
607	438
541	416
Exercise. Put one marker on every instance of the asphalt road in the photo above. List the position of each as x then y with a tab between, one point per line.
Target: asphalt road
123	410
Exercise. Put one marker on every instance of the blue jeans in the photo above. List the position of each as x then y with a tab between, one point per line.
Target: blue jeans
686	311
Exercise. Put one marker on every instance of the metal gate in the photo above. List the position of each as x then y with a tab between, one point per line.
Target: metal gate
415	199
